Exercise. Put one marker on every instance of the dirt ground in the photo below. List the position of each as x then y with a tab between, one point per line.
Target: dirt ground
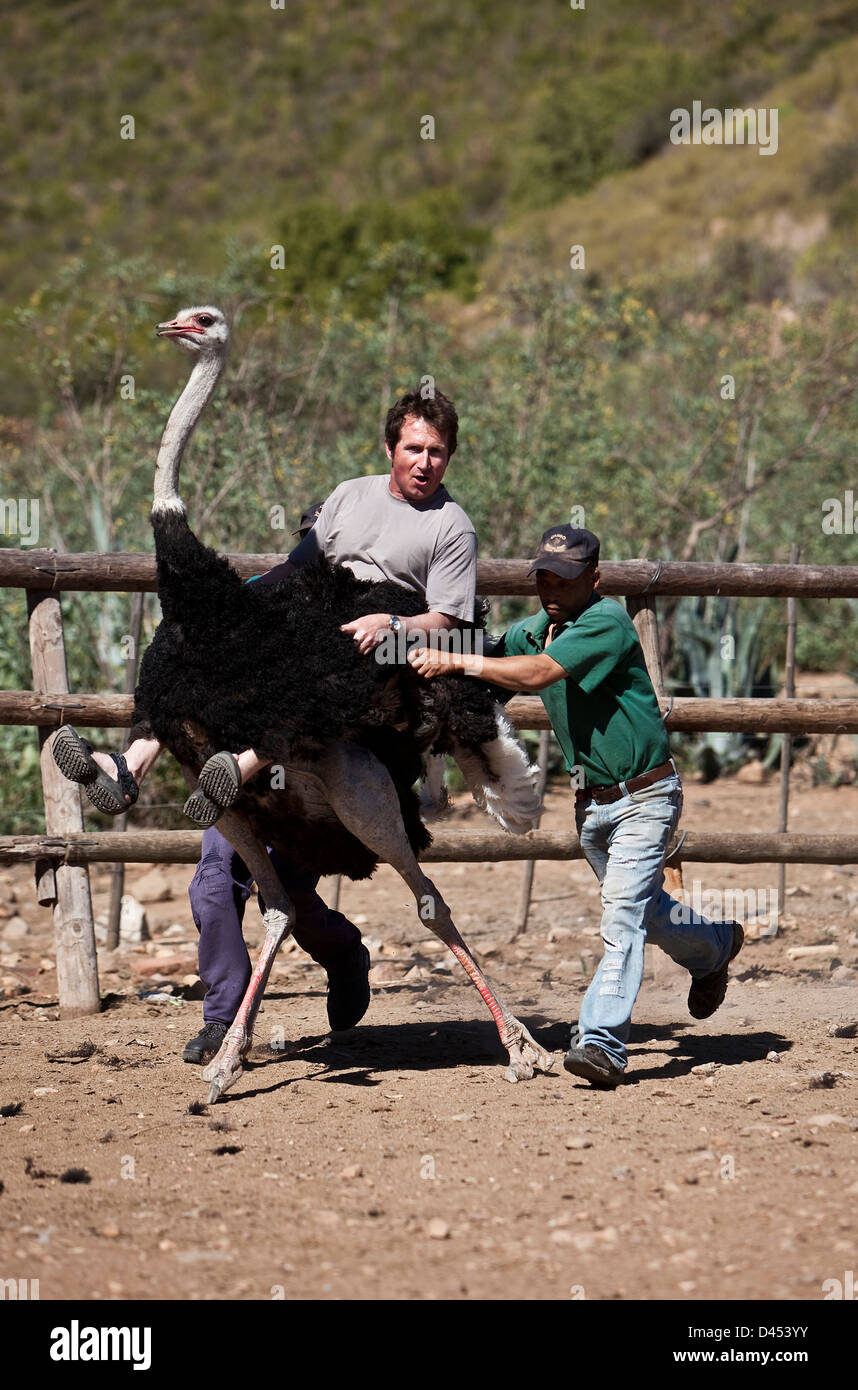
395	1162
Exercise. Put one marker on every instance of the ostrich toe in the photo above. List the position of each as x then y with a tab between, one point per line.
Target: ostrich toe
525	1055
224	1069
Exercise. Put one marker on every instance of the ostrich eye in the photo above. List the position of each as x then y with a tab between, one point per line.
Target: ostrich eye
206	320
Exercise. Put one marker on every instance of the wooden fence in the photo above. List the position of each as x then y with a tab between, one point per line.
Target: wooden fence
62	855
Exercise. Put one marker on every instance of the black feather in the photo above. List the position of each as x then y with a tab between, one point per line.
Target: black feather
265	666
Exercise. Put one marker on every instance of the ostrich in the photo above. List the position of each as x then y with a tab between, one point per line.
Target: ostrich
235	665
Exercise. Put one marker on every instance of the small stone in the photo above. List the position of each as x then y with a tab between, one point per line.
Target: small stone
843	1030
110	1232
46	1091
824	952
153	887
753	1100
15	929
133	927
436	1229
843	975
418	974
561	1237
620	1173
577	1141
773	1056
824	1121
164	965
26	1129
705	1068
754	773
559	933
166	1245
385	973
353	1170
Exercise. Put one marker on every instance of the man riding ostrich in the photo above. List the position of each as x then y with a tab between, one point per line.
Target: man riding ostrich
267	669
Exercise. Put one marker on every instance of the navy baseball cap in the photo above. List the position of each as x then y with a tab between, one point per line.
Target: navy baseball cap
567	551
309	517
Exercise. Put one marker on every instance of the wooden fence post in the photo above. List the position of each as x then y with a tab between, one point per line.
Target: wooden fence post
65	888
641	610
786	739
523	909
117	882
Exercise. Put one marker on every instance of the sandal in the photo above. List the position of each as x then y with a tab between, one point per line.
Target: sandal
73	756
220	780
201	809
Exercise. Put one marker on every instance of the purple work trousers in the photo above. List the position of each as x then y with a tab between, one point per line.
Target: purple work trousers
218	892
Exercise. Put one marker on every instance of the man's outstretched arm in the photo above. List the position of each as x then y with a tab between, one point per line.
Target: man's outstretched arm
509	672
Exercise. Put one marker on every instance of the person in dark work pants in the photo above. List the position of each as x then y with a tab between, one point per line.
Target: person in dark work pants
219	891
404	527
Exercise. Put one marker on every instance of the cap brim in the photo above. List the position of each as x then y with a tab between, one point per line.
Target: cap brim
566	569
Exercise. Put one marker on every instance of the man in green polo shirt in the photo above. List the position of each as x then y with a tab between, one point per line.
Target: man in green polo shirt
582	655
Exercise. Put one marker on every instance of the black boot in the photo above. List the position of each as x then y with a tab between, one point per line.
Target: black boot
348	989
206	1043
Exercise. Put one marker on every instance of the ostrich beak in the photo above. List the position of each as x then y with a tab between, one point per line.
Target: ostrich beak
175	329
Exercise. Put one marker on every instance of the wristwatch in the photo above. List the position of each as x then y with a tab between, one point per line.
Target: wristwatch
394	623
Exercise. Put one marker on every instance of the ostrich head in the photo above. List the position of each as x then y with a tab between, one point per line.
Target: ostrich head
202	330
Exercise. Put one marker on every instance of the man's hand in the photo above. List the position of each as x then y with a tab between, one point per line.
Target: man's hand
434	663
369	631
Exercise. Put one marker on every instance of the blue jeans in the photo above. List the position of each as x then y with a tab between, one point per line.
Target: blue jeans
625	843
219	890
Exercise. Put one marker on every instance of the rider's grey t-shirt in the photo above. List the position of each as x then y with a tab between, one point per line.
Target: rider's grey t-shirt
430	546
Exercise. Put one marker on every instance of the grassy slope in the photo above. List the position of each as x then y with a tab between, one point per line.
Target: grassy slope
243	111
669	213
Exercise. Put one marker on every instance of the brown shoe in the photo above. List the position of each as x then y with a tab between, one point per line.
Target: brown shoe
707	994
594	1064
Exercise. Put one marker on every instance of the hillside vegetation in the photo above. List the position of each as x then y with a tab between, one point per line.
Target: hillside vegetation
691	390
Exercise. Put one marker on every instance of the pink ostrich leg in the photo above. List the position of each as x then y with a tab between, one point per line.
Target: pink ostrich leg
279	919
362	794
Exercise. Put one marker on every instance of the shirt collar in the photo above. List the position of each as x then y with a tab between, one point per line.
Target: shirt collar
538	626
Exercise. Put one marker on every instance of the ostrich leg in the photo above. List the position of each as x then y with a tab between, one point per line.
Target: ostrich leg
279	919
362	794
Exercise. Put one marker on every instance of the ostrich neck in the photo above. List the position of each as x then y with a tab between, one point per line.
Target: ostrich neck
179	428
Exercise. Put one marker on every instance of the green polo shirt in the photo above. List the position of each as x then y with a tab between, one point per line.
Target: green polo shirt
605	715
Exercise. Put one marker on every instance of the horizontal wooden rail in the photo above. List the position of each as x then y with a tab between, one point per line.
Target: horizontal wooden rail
684	715
690	715
449	846
129	571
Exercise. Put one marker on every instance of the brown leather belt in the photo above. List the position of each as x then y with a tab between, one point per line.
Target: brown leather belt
604	795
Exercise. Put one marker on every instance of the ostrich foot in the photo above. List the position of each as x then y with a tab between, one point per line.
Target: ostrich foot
227	1066
525	1054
